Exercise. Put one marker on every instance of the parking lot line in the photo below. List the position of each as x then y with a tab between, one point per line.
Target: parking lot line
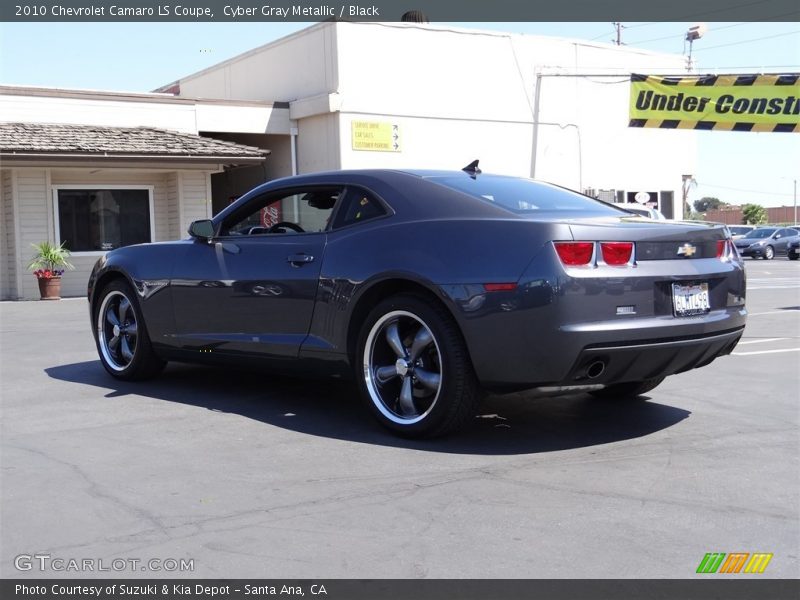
762	341
765	352
774	312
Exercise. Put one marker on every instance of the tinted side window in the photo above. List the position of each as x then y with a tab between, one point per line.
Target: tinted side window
298	212
358	206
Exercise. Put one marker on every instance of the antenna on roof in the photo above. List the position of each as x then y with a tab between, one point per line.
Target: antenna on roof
472	169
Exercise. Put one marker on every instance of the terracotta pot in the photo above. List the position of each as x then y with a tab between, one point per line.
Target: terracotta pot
50	289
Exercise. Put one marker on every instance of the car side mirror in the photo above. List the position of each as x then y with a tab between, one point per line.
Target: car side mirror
202	229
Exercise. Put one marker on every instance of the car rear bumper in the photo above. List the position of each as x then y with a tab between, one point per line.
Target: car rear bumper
605	364
558	322
605	353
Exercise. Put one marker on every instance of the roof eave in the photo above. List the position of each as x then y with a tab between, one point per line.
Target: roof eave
155	158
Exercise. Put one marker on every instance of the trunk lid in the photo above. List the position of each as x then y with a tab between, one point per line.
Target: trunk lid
654	240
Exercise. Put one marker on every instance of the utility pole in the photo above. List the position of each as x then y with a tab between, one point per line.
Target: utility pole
688	182
618	27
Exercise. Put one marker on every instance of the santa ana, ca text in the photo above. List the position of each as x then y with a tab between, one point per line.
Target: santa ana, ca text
168	590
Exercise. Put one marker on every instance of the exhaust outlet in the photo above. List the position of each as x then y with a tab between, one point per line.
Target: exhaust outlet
595	369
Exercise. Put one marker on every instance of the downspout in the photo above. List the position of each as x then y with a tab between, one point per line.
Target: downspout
535	136
293	152
535	140
293	138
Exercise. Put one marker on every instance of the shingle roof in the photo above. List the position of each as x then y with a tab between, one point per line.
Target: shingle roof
89	140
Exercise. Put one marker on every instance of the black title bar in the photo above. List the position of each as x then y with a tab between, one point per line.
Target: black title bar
398	589
394	10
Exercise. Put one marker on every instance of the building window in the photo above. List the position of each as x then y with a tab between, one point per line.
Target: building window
101	219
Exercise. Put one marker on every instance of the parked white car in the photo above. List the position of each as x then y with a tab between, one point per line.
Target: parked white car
641	209
740	231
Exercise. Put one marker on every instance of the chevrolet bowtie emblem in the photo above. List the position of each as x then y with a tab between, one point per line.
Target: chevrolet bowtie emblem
686	250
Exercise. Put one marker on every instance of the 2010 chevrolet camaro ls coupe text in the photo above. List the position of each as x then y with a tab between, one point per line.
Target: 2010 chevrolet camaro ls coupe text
428	287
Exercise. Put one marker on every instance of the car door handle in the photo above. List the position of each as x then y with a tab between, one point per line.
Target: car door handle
298	260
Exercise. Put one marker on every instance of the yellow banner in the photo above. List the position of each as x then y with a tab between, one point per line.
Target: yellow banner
718	102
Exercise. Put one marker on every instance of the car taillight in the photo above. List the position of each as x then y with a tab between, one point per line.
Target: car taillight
725	249
575	253
616	253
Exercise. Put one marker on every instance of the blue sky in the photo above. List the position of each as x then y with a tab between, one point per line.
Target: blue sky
735	167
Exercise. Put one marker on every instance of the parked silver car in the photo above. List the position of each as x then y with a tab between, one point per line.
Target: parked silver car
766	242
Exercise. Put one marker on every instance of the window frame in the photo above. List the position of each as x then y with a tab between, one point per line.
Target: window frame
94	186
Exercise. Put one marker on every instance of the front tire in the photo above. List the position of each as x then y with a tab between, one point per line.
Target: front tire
769	253
624	391
121	334
793	256
413	368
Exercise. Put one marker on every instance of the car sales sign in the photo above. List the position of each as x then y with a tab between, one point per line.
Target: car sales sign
718	102
375	136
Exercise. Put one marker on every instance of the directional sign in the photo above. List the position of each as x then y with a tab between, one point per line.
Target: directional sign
375	136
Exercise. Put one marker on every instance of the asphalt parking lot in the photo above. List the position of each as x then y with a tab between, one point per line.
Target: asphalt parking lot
255	475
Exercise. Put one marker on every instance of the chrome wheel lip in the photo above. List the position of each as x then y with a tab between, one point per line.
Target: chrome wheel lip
373	387
103	337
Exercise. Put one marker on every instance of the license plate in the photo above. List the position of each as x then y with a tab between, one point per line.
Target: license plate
690	300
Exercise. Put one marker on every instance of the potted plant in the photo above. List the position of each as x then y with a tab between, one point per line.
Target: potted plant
48	266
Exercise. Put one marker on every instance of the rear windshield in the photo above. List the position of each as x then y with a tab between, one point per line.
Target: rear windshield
740	230
524	195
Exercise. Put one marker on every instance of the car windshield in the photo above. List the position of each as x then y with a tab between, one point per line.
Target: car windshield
740	230
760	233
524	195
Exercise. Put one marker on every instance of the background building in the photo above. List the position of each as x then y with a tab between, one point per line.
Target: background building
555	109
337	95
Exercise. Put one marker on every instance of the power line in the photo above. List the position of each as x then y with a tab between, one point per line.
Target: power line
642	24
768	37
602	35
719	10
658	39
668	37
723	187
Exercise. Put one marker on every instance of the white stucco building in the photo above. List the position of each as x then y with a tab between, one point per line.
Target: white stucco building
341	95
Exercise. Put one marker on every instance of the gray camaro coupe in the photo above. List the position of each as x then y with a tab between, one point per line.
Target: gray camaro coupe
428	287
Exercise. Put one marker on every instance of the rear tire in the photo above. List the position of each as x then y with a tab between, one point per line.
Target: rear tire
413	368
621	391
794	256
121	335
